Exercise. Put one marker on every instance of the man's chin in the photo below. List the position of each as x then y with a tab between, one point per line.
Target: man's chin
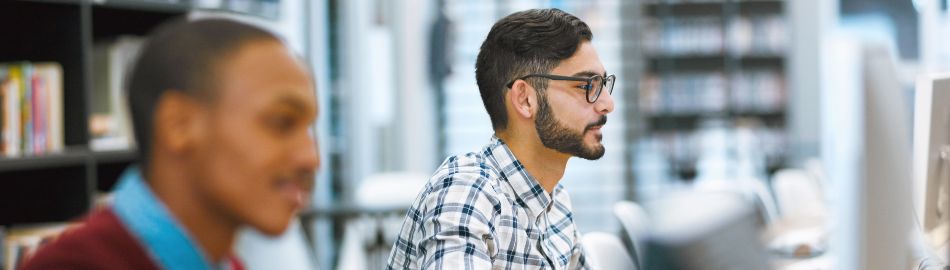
592	153
272	227
272	231
596	156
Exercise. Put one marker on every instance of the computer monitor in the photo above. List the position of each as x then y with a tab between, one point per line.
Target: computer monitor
932	156
866	152
704	230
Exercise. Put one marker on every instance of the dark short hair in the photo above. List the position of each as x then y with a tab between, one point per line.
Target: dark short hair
182	55
525	42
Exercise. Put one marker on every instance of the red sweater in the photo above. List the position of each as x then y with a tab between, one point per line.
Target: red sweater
101	242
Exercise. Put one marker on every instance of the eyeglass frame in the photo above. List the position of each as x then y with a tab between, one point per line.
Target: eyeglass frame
588	87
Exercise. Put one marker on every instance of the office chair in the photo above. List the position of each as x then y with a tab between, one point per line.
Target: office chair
605	251
634	223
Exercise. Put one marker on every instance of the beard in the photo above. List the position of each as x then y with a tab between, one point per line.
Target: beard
559	137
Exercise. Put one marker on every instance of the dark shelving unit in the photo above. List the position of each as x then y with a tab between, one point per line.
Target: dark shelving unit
110	165
691	121
149	6
659	8
46	161
724	62
700	62
58	187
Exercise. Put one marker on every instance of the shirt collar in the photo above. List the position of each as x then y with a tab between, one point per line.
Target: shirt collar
527	189
152	224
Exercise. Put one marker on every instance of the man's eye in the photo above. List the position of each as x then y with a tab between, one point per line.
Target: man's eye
584	86
281	123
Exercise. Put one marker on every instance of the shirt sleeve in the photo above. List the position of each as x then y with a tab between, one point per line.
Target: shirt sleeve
579	257
457	231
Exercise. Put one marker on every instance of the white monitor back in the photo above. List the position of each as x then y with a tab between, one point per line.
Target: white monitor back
866	151
931	148
704	230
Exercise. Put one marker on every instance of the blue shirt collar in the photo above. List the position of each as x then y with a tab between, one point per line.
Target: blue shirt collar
147	218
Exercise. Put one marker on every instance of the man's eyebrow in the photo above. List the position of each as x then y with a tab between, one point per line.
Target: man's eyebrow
292	101
586	73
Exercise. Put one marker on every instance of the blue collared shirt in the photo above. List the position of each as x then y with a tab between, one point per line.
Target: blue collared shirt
483	210
150	222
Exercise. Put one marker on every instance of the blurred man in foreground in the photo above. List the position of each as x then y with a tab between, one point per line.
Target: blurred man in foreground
221	112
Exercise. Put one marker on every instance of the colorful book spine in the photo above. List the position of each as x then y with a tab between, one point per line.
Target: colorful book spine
38	106
31	108
12	110
3	113
26	108
52	76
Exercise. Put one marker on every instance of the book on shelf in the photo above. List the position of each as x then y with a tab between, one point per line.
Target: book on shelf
110	123
21	242
684	93
31	98
713	35
764	145
208	3
103	199
264	8
3	250
701	35
758	35
758	91
714	92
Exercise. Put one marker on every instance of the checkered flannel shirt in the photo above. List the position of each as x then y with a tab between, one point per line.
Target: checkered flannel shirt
484	211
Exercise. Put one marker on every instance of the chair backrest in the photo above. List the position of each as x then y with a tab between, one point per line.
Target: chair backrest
754	191
635	225
704	229
605	251
798	193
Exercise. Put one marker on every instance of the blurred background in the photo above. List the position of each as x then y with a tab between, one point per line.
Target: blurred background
712	94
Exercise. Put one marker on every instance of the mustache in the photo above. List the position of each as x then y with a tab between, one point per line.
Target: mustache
305	178
601	122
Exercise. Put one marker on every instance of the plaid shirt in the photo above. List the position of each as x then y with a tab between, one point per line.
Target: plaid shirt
484	211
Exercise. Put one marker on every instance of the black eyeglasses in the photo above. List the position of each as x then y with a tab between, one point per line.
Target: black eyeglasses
595	84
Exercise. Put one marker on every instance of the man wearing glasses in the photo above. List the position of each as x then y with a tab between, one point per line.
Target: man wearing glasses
548	96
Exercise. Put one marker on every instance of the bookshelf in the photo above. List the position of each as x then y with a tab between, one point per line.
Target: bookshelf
709	67
58	186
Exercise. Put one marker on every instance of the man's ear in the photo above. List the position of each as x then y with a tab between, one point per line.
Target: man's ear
177	122
523	99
